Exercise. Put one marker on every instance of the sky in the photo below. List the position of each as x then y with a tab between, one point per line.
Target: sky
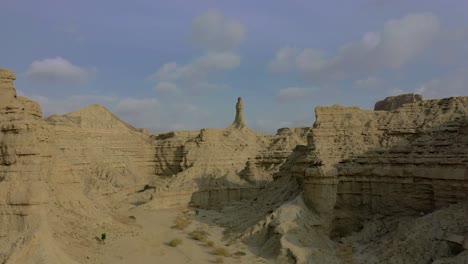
180	65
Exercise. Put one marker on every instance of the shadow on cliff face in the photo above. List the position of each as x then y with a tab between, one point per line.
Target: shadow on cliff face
427	172
247	213
216	192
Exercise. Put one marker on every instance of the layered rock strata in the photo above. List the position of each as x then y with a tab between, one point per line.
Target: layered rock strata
408	161
213	166
23	191
50	170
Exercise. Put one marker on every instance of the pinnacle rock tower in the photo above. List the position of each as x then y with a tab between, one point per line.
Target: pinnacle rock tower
239	122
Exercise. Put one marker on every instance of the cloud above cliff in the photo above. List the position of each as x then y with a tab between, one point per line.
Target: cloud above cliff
199	69
452	84
214	32
166	89
58	69
399	42
204	54
217	35
195	76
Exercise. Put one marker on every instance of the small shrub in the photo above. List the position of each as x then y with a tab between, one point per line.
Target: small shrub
181	222
199	235
175	242
222	252
209	244
239	253
219	260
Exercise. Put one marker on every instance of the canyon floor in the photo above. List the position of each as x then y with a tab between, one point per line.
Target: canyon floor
155	230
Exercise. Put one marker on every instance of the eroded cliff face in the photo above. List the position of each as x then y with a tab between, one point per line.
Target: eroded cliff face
352	167
23	151
61	175
409	161
25	193
214	166
107	155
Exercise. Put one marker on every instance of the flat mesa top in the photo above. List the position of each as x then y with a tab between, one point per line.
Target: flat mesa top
7	74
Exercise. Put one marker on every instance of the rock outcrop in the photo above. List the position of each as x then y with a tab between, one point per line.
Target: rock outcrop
106	154
7	90
212	166
370	178
239	121
53	174
361	163
356	176
393	102
25	193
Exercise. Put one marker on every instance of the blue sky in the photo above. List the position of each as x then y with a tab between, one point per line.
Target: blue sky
180	65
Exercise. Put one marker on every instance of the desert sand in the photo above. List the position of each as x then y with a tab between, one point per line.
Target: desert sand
357	186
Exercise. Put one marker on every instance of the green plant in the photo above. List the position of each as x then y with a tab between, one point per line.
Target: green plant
239	253
175	242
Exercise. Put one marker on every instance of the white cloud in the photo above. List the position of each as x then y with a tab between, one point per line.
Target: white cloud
213	31
195	75
403	39
166	88
399	42
218	36
290	59
200	68
217	61
58	70
453	84
294	94
284	61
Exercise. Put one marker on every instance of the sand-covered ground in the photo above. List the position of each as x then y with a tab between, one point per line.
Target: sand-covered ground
155	229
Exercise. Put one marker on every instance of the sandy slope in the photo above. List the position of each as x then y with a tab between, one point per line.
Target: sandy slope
149	243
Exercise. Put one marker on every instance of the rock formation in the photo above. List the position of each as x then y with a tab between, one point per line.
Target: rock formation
393	102
406	161
239	121
7	90
364	178
359	165
212	161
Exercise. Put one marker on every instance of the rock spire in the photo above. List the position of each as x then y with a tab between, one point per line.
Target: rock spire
239	122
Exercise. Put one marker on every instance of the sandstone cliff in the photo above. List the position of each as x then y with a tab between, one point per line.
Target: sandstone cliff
304	195
407	161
